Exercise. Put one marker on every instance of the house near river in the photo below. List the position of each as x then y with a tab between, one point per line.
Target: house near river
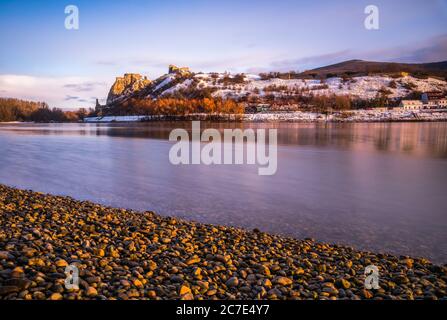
429	100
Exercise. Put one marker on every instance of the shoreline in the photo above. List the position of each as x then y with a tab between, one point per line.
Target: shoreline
354	116
125	254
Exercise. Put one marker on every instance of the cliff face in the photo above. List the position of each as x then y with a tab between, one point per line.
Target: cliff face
173	69
130	83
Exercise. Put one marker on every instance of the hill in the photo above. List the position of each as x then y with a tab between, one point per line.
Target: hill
354	80
364	68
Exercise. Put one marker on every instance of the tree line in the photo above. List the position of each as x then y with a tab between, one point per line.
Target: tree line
177	107
22	110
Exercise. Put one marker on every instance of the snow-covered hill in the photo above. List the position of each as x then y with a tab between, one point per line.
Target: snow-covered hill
365	87
238	86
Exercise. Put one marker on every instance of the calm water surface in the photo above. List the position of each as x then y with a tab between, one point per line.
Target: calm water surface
380	187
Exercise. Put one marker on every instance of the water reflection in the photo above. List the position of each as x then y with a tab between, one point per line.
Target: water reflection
421	139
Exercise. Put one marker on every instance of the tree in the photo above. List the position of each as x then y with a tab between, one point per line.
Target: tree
81	113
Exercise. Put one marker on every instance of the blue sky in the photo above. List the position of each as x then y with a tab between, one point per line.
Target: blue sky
238	36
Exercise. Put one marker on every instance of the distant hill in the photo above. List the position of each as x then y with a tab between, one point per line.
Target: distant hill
363	68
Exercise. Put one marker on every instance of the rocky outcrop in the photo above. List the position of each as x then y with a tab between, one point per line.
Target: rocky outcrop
130	83
179	70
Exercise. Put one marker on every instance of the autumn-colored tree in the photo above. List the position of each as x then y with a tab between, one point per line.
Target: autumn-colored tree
21	110
180	107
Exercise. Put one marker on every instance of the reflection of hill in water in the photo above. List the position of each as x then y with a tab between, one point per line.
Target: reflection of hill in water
424	139
421	139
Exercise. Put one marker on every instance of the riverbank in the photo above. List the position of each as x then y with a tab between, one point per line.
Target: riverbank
297	116
124	254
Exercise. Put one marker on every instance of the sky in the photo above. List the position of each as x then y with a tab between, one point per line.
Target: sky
41	60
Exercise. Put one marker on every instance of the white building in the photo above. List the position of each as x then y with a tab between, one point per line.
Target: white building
436	104
443	103
429	100
431	96
411	105
434	100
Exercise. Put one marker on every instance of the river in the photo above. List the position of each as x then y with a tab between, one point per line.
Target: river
373	186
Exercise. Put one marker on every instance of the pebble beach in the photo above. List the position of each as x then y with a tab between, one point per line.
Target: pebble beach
125	254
